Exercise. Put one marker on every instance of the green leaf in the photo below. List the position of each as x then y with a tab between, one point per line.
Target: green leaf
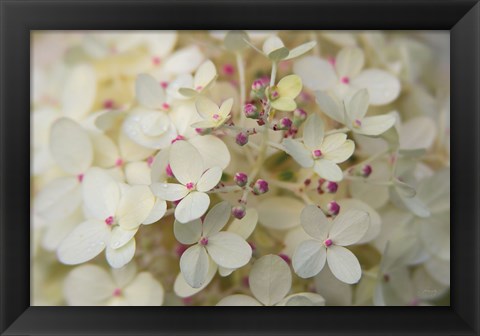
278	54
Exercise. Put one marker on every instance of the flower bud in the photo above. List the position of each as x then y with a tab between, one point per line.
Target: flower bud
286	258
239	211
272	93
333	208
251	111
366	170
299	116
241	139
260	187
329	187
257	85
283	125
241	179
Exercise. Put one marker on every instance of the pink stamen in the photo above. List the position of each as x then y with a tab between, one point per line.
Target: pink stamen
199	88
80	178
166	106
119	162
285	257
190	185
228	69
150	161
164	84
108	104
169	171
179	137
156	60
317	153
204	241
328	243
216	116
109	220
117	292
332	60
357	123
345	80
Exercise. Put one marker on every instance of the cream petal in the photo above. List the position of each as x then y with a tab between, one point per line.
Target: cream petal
193	206
216	219
316	73
186	162
328	170
101	193
229	250
238	300
313	132
314	222
194	266
79	91
298	152
343	264
169	191
349	62
188	233
309	258
382	87
117	258
149	92
349	227
280	212
144	290
135	206
341	153
209	179
158	211
213	151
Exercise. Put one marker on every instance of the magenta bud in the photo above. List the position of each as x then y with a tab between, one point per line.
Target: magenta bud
239	211
251	111
283	125
333	208
366	170
241	179
260	187
286	258
329	187
299	116
257	85
168	171
241	139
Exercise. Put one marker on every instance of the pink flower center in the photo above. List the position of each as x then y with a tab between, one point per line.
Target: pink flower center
119	162
328	243
169	171
117	292
164	84
190	185
216	116
345	80
166	106
357	123
150	161
199	88
317	153
156	60
228	69
80	178
331	60
179	137
109	220
204	241
108	104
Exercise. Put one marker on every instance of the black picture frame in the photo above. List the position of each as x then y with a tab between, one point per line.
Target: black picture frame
19	17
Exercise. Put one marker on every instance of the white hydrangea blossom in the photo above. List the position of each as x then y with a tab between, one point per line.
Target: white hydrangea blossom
251	152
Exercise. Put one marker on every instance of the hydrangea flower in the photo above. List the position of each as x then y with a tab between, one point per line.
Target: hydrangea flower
327	245
352	113
270	281
274	49
204	78
187	166
213	116
225	249
115	212
344	75
320	152
282	96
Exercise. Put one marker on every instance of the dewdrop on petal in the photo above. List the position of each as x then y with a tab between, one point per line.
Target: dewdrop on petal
260	187
241	179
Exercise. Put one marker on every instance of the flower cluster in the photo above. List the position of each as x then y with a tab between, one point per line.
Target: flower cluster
240	168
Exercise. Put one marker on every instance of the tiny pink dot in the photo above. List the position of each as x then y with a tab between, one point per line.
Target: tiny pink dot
166	106
199	88
109	220
228	69
216	116
119	162
108	104
345	80
204	241
80	178
117	292
331	60
190	185
164	84
358	123
317	153
328	242
150	161
156	60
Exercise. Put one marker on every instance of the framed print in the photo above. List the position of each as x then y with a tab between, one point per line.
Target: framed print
173	158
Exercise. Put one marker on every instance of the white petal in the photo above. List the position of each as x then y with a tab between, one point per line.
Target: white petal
101	193
188	233
375	220
349	61
209	179
158	172
144	290
271	44
183	289
119	257
349	227
105	150
303	299
56	231
238	300
79	92
309	258
149	92
58	199
419	132
270	279
343	264
193	206
85	242
316	73
229	250
358	105
70	146
216	219
88	285
185	60
158	211
300	50
341	153
186	162
206	108
194	265
224	272
332	142
314	222
120	237
169	191
226	107
299	152
330	105
336	293
204	75
383	87
244	227
135	206
280	213
328	170
213	151
135	151
137	173
376	125
313	132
